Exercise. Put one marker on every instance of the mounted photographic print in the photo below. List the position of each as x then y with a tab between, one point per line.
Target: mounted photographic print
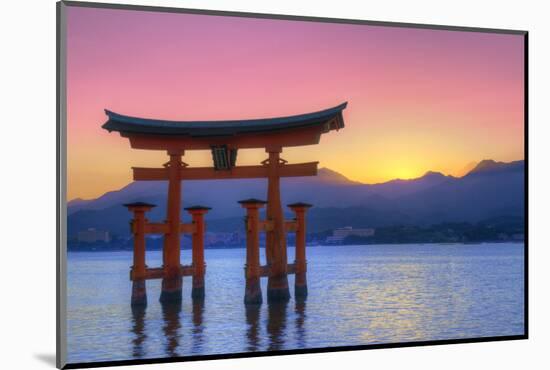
235	184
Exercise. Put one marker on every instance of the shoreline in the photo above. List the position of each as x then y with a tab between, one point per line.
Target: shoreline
101	250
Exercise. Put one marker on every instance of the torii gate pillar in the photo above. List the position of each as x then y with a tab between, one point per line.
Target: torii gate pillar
253	290
198	212
300	263
277	284
172	279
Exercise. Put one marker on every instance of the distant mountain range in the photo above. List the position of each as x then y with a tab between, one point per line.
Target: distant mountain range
491	189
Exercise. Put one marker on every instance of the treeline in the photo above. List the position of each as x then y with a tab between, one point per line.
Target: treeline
116	244
152	244
497	229
487	231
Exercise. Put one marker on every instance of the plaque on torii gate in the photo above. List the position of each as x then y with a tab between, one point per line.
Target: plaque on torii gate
224	139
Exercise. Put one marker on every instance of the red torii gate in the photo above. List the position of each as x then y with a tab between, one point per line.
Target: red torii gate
223	138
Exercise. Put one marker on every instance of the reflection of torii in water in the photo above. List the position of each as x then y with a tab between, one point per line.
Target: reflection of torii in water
223	138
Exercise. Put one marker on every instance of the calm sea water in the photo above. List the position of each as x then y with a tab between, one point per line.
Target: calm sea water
357	295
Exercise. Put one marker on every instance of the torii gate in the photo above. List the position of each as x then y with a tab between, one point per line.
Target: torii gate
223	139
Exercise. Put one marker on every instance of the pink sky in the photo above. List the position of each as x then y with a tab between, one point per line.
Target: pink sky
419	100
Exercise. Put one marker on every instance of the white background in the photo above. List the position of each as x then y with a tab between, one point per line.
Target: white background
27	182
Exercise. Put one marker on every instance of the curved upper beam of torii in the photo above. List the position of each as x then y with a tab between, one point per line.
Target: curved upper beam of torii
279	132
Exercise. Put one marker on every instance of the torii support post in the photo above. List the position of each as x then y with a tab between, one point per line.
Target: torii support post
172	279
253	290
199	267
277	284
138	272
300	263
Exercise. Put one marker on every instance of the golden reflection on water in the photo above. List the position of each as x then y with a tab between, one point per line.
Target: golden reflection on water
395	305
401	300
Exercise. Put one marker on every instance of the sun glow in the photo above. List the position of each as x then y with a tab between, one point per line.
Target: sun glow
405	173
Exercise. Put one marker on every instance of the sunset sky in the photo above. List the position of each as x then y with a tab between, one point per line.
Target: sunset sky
419	100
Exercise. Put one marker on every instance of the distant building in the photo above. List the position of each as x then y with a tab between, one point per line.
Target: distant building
338	235
92	235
